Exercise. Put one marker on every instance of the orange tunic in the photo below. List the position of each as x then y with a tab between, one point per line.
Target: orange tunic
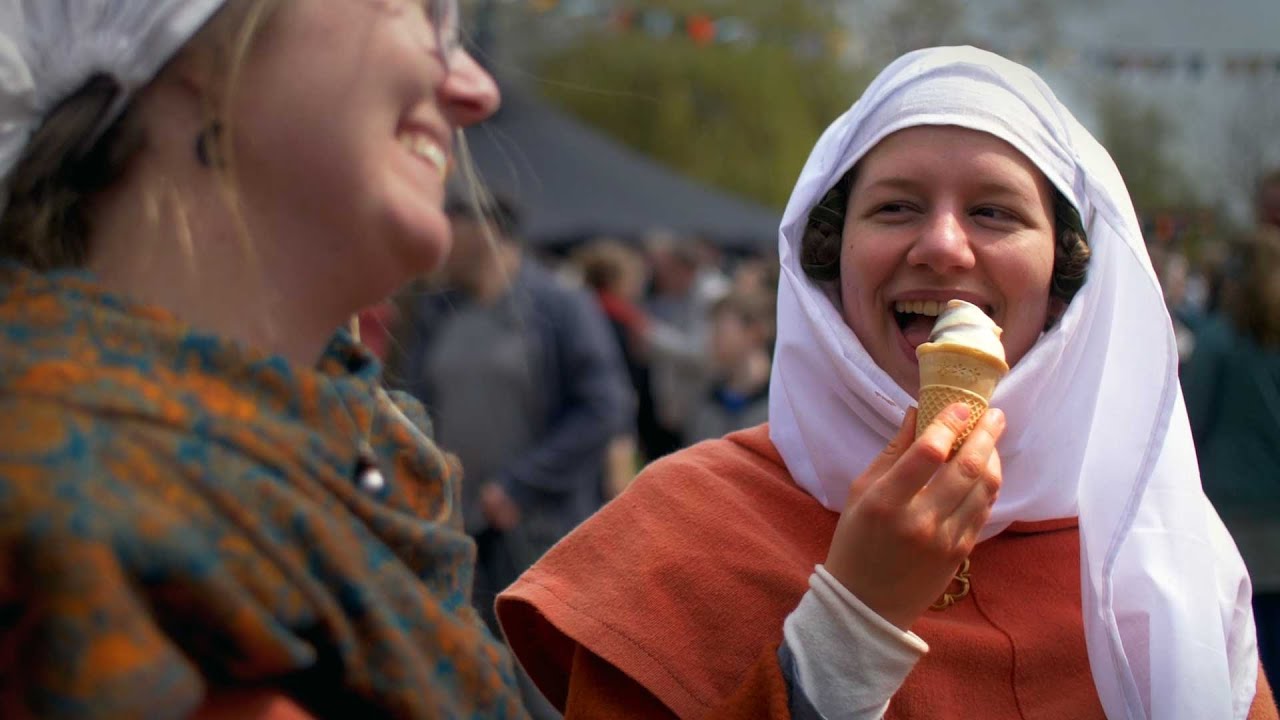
670	602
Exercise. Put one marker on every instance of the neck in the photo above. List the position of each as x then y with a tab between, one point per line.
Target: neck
189	257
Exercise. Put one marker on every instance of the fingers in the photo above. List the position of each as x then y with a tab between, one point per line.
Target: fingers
923	457
886	458
968	470
971	514
897	446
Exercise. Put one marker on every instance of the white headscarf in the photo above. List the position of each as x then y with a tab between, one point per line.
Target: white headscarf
50	48
1096	422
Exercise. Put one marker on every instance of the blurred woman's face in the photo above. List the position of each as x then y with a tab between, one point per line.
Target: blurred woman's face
941	212
730	340
343	125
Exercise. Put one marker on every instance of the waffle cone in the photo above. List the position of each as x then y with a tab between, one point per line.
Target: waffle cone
935	398
955	373
960	366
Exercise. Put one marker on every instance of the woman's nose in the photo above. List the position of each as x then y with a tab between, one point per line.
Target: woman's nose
469	93
943	244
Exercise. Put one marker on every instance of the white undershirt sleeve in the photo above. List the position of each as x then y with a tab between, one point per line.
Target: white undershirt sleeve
849	660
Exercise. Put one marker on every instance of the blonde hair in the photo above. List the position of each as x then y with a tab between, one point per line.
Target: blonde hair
46	223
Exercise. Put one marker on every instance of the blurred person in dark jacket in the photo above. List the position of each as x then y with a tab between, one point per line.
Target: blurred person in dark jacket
1232	388
542	392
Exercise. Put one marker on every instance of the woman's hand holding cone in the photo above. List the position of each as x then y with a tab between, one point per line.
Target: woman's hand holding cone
915	513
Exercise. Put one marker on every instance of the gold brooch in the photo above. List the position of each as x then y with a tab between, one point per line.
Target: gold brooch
948	598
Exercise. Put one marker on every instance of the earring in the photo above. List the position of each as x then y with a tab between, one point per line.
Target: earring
207	141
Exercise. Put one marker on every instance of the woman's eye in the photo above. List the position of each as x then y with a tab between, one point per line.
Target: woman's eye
995	213
892	208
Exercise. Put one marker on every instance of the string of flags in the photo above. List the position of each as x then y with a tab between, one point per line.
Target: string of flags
702	29
705	29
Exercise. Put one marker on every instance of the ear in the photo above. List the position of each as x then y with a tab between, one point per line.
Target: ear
180	100
194	72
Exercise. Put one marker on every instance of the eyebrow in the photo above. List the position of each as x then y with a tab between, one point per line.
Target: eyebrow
893	183
982	187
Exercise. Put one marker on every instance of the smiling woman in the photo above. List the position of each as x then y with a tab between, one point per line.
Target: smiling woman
208	505
833	564
824	234
936	213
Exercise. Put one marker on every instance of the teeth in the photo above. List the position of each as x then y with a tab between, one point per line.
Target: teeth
931	308
919	307
427	149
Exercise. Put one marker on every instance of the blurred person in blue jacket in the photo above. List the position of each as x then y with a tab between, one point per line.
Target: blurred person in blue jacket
542	391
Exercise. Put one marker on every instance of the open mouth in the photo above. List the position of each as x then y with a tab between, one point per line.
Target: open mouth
425	148
915	318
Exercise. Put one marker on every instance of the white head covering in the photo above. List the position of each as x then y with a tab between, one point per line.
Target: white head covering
50	48
1096	423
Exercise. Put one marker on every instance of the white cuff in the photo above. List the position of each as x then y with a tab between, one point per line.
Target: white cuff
849	660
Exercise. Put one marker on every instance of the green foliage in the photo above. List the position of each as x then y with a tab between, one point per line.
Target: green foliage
1140	137
742	117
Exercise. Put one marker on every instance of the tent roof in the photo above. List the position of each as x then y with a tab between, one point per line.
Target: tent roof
573	183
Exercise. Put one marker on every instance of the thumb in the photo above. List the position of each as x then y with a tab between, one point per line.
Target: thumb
887	457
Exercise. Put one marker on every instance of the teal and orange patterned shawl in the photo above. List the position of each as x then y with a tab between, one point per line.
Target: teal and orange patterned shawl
178	514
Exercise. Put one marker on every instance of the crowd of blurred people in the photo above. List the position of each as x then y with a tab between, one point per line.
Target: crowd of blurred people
691	332
1231	381
696	331
600	360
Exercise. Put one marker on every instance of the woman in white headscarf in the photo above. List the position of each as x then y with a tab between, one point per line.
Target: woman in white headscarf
208	505
1094	579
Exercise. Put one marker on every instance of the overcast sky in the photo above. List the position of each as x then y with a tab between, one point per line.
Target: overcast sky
1203	109
1186	24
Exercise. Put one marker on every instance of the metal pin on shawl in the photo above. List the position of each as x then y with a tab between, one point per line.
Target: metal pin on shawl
368	477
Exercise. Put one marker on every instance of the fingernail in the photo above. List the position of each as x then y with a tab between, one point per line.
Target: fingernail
998	416
961	412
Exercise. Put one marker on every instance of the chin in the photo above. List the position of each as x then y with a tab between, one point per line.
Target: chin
421	259
420	243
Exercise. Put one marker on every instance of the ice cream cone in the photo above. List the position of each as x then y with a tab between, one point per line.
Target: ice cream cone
951	373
